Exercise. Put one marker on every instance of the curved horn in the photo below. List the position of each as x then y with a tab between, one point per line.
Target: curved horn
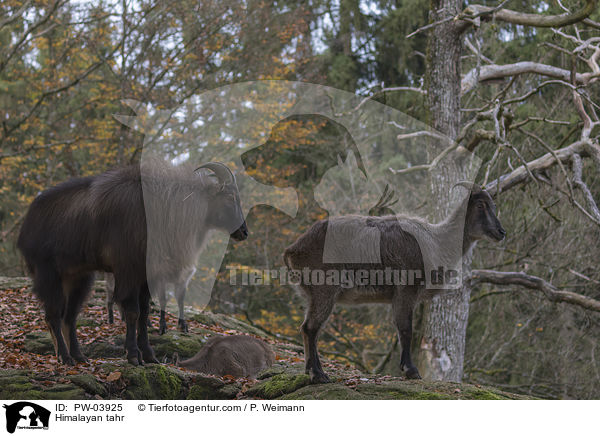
222	172
473	187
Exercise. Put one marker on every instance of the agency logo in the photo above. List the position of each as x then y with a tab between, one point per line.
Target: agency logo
26	415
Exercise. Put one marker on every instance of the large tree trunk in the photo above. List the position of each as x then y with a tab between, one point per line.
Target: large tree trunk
441	349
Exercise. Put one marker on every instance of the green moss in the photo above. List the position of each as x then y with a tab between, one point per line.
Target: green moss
208	388
30	391
151	382
17	387
13	380
408	395
173	341
38	343
229	391
270	372
4	373
89	383
205	318
481	394
103	350
22	395
63	392
279	385
169	383
324	392
403	390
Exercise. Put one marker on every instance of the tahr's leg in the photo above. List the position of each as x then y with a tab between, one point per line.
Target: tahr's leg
77	290
142	339
180	289
162	298
320	307
403	306
48	287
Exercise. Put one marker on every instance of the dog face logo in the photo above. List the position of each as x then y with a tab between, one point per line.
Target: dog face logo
26	415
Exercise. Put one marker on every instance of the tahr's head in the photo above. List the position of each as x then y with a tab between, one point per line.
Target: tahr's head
481	220
225	209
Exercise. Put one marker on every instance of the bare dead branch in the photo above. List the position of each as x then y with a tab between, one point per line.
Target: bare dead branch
542	119
429	26
490	72
520	174
535	283
434	162
579	183
380	92
534	20
536	90
478	136
550	150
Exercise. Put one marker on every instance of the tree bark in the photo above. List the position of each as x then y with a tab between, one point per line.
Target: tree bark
441	347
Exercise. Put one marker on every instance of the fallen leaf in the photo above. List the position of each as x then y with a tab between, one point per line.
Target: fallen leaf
113	376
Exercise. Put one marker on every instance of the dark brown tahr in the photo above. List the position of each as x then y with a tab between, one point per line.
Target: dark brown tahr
403	244
100	223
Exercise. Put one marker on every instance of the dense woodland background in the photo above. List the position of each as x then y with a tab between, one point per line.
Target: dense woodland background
65	67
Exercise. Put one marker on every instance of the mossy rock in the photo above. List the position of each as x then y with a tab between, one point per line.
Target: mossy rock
479	393
184	344
14	282
61	391
152	382
329	391
21	385
38	343
229	391
210	388
278	385
15	386
401	390
104	350
271	371
421	390
90	384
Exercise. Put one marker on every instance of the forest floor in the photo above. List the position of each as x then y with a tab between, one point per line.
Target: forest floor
29	369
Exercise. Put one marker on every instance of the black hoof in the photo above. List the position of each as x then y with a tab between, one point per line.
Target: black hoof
413	374
80	358
319	378
183	327
149	357
135	358
67	360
